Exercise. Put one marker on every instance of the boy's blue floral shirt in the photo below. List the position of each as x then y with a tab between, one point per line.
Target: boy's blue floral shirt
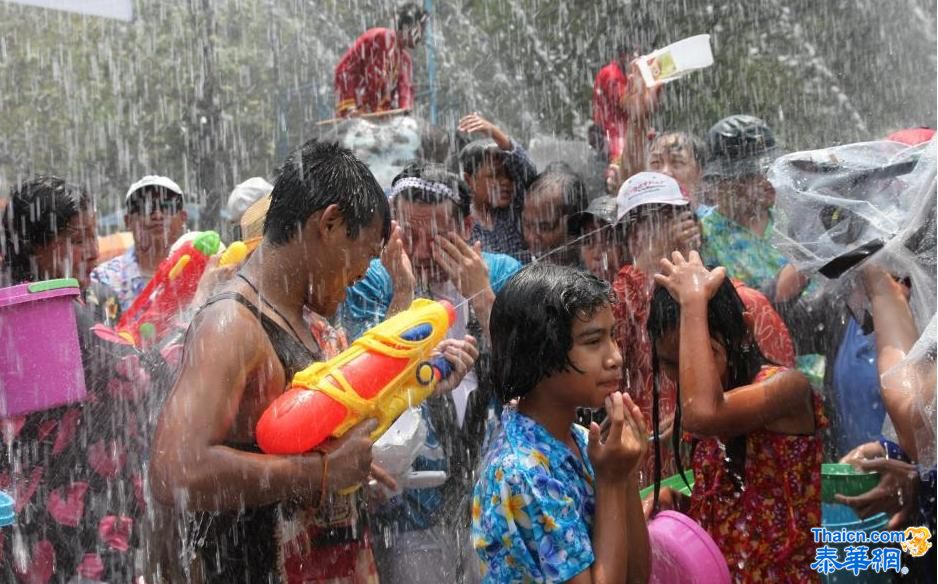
746	256
533	506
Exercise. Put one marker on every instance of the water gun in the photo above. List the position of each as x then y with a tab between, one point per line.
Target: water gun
171	289
386	371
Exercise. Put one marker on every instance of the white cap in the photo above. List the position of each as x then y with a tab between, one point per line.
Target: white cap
243	196
648	188
152	180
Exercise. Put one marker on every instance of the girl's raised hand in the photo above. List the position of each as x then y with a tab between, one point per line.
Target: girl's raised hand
688	279
615	454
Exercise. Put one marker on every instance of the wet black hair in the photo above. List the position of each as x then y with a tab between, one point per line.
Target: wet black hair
532	322
38	211
317	175
410	15
572	188
697	146
435	173
727	326
473	155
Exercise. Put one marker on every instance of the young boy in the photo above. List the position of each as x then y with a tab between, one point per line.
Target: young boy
551	504
498	171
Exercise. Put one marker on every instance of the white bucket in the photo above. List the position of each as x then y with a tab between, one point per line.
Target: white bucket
676	60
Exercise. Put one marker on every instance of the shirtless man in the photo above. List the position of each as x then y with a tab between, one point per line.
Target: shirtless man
328	218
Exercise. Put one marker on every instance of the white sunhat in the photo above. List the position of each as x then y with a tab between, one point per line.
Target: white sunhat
153	180
648	188
244	196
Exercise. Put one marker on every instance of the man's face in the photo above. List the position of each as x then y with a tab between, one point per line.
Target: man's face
650	232
344	264
421	224
74	253
674	157
602	249
491	184
543	220
157	219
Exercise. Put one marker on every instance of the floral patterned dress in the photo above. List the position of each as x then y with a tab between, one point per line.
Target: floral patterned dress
764	531
633	289
533	505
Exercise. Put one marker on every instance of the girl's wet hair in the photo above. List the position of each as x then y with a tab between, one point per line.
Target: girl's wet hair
727	325
437	173
532	321
39	210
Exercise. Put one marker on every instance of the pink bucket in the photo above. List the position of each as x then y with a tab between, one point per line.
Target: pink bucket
683	553
40	360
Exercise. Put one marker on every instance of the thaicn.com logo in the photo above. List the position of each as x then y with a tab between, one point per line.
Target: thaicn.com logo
862	551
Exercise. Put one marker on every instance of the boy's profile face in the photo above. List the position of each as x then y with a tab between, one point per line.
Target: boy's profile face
345	263
595	353
491	184
74	251
602	250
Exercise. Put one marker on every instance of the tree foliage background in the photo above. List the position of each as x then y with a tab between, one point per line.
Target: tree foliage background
211	92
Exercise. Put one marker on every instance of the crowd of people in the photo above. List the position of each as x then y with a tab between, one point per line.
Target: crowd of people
602	342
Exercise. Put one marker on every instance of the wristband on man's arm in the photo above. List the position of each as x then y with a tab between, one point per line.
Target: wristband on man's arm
893	450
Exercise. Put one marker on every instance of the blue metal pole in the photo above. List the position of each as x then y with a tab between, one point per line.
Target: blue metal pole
431	61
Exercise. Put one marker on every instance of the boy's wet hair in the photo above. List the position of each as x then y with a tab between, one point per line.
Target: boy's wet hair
436	173
474	155
572	188
39	210
317	175
744	359
689	139
532	322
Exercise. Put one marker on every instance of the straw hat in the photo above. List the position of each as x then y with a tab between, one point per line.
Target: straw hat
252	221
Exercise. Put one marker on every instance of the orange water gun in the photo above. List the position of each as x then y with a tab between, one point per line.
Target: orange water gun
385	371
171	289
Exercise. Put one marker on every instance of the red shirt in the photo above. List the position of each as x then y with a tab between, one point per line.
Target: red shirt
608	90
633	291
374	75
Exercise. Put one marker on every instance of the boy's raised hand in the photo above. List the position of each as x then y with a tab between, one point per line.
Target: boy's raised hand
475	123
617	456
688	279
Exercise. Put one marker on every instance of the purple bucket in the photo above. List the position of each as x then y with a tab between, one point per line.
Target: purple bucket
40	360
682	552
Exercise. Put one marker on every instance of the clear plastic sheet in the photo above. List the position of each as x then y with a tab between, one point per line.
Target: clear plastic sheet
872	201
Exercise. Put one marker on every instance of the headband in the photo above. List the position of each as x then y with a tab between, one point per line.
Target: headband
425	185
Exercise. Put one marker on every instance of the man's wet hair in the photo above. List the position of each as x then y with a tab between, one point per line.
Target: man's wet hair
744	359
572	188
317	175
410	15
39	210
437	173
689	139
532	323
